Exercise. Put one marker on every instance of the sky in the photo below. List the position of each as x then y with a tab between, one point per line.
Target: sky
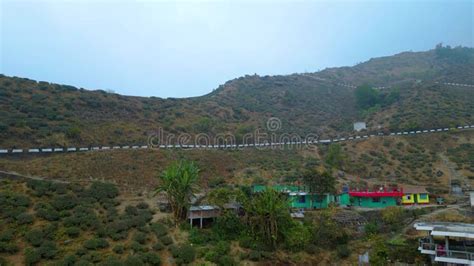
189	48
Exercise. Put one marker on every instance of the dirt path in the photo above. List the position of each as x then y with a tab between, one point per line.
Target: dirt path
16	176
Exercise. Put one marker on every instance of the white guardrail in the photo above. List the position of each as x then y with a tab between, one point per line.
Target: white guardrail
4	151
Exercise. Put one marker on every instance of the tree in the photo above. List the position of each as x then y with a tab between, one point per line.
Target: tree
366	96
268	216
335	156
319	183
178	181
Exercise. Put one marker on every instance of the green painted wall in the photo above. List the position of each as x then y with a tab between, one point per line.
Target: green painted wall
378	203
308	202
344	199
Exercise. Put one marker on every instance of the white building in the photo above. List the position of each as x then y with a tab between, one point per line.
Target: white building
358	126
451	243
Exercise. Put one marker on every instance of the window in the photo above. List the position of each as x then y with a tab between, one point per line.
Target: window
301	199
408	197
375	199
423	196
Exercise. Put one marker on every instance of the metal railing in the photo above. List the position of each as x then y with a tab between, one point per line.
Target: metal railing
441	251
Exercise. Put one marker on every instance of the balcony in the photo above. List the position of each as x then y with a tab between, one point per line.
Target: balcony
441	254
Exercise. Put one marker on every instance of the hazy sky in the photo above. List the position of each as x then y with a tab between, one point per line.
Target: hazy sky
169	49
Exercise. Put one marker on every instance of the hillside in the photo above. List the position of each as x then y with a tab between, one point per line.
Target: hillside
43	114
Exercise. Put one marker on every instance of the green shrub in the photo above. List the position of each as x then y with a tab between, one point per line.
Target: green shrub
111	261
93	257
228	226
7	235
151	258
297	237
255	255
134	261
48	249
119	249
64	202
24	218
158	246
103	190
131	210
137	247
184	254
73	231
140	237
200	236
343	251
226	261
35	237
159	229
47	212
247	242
166	240
69	260
96	243
32	256
8	247
142	205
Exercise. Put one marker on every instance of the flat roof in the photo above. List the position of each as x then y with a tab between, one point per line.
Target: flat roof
202	208
447	229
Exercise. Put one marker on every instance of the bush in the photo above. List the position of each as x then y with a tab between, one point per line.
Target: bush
140	237
343	251
228	226
184	254
142	205
64	202
159	229
32	256
119	249
226	261
151	258
297	237
111	261
166	240
134	261
73	231
8	248
69	260
96	243
137	247
158	246
131	210
255	255
371	228
48	249
103	190
47	212
247	242
7	235
24	218
35	237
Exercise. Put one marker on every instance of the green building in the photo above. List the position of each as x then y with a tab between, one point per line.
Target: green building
375	199
299	198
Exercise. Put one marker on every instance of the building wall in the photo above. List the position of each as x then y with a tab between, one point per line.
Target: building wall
408	199
370	203
344	199
421	198
296	201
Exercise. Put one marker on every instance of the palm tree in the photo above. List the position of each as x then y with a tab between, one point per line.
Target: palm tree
178	181
268	216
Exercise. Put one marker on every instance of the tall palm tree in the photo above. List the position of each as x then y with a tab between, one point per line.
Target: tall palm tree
178	181
268	216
